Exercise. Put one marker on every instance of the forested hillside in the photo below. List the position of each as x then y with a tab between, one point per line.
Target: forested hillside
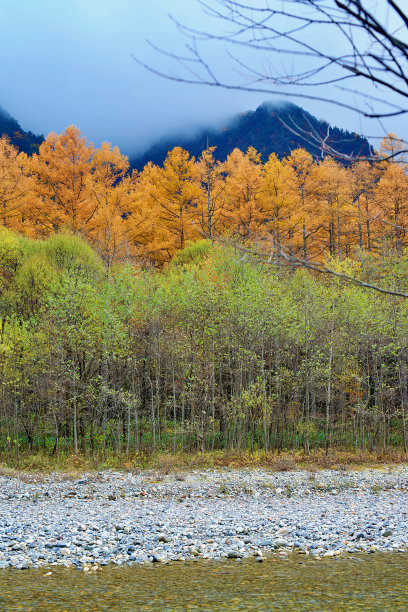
26	142
278	129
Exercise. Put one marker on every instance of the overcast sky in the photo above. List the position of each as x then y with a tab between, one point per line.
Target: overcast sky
69	62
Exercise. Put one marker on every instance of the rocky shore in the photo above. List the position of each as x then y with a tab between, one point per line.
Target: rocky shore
113	517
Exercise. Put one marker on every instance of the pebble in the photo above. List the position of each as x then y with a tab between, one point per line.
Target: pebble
209	514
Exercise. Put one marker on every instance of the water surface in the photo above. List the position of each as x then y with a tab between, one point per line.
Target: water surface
356	582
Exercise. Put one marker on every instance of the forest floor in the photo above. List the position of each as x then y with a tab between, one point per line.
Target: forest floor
166	463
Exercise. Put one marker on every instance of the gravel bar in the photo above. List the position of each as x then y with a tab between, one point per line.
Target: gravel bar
115	517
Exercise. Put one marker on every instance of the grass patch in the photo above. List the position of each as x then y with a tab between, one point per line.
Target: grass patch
174	464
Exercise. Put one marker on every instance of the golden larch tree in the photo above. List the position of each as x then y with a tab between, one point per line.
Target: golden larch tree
164	213
392	202
334	207
111	192
307	187
212	197
243	214
280	201
14	185
61	189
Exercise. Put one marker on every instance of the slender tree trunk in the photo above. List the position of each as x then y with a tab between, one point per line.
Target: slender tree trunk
74	402
329	384
174	408
402	362
360	228
368	226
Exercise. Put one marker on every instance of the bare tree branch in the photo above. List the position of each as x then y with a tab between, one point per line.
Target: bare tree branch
320	268
373	43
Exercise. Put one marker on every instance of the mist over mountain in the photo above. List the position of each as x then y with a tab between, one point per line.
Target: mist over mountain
270	129
24	141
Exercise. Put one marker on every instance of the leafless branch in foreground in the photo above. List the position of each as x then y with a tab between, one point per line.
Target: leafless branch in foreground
305	49
320	268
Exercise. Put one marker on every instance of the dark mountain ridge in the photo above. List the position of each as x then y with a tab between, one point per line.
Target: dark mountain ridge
24	141
270	129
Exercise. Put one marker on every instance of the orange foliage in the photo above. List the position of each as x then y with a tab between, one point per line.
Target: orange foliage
280	201
212	194
243	213
298	204
61	186
14	185
307	188
111	193
167	199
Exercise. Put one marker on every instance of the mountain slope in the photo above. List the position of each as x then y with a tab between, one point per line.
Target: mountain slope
24	141
266	130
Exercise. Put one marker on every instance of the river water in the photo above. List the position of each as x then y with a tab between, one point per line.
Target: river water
356	582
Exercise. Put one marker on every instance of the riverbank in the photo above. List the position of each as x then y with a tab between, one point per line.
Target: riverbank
166	462
120	518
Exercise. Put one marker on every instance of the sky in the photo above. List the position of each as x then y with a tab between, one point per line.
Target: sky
69	62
